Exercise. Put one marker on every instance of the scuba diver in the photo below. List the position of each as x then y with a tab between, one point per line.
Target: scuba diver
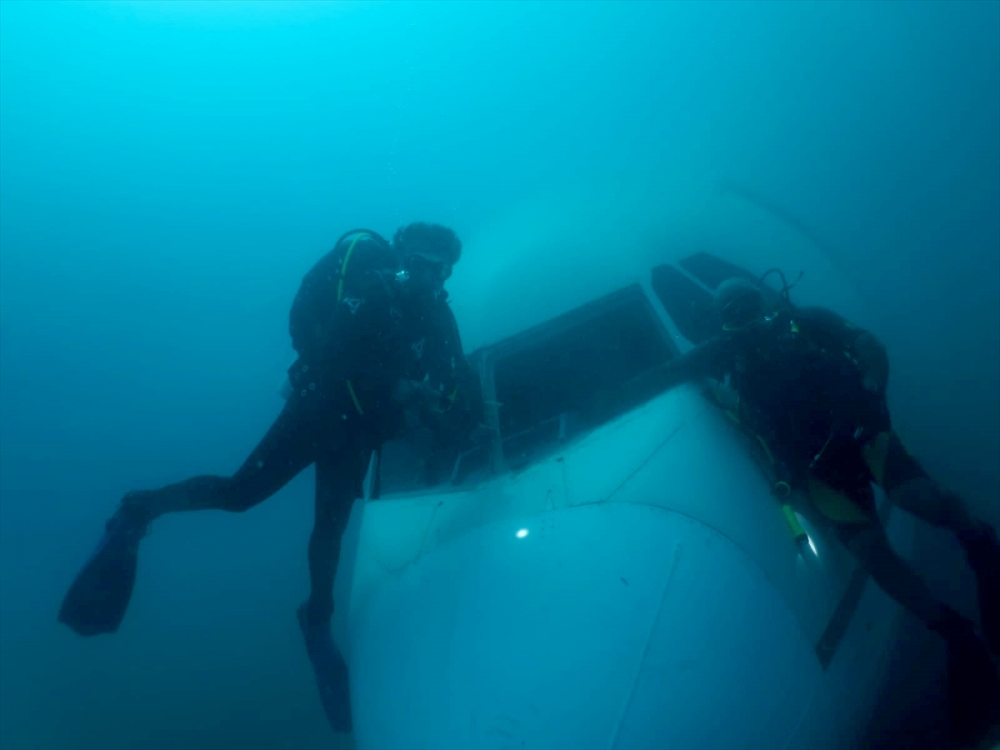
812	388
377	344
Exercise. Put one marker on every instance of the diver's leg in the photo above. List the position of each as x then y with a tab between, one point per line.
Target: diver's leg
930	502
287	448
973	683
908	485
870	545
973	680
98	598
338	482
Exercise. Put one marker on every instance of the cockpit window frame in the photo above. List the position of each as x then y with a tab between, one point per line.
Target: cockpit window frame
484	361
633	294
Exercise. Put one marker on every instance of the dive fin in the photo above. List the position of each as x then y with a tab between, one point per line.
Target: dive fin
99	596
330	668
983	553
972	682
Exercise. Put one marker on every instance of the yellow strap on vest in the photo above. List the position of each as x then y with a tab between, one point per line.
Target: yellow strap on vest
875	453
340	297
354	397
798	533
767	449
343	266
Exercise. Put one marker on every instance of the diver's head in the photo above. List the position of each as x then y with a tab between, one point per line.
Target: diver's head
428	253
739	302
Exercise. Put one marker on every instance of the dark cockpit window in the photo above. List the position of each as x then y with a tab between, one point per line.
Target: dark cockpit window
569	376
547	385
688	305
686	292
712	271
541	388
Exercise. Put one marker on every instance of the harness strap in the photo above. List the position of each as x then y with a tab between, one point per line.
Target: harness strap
340	296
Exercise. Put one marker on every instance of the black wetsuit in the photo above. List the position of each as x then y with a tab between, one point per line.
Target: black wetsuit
800	376
357	334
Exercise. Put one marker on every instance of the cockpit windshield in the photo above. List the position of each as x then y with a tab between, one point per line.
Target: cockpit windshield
544	387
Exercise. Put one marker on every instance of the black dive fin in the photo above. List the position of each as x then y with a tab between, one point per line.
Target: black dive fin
332	678
973	689
983	553
99	596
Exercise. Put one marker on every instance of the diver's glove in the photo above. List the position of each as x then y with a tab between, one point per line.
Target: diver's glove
721	394
417	394
423	405
331	671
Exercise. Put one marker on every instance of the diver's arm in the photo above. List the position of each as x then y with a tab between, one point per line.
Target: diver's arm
711	358
456	410
458	380
869	353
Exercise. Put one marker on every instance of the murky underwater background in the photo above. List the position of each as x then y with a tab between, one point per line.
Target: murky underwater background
169	171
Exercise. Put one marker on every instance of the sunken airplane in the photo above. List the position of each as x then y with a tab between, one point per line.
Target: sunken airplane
619	576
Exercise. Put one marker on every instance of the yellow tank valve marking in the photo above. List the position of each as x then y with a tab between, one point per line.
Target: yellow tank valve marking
354	397
343	266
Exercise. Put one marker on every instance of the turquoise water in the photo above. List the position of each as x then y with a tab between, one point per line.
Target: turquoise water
169	171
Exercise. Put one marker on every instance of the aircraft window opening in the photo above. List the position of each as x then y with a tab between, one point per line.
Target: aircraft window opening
541	389
569	377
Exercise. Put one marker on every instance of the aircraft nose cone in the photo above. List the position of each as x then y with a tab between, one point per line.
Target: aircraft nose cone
599	626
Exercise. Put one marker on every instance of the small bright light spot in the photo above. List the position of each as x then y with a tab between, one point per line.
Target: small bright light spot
807	528
521	533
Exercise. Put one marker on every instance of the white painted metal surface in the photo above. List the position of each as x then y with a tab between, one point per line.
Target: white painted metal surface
638	589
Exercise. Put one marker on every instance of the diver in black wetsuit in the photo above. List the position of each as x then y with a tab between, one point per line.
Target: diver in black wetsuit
812	387
375	339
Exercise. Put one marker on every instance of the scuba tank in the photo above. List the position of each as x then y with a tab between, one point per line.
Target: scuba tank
285	388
